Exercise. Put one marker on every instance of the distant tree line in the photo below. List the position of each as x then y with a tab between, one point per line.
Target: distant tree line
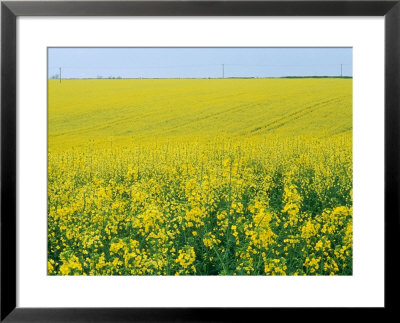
110	77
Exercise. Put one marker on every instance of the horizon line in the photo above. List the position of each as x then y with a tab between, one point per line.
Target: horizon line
195	78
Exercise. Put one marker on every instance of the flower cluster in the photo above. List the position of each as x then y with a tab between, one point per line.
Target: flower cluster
202	215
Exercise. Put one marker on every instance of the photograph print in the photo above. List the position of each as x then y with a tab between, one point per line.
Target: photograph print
200	161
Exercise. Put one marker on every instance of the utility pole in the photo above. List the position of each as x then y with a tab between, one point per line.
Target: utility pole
341	69
223	71
60	74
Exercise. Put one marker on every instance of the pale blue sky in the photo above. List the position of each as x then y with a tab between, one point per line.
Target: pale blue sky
198	62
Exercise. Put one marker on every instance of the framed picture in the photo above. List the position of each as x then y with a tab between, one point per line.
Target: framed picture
197	161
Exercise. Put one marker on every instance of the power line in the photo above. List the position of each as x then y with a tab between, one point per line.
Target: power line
206	65
191	71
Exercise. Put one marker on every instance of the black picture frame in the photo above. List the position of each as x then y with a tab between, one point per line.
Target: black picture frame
11	10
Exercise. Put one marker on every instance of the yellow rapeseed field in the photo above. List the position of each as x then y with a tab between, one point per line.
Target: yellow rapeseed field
200	177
